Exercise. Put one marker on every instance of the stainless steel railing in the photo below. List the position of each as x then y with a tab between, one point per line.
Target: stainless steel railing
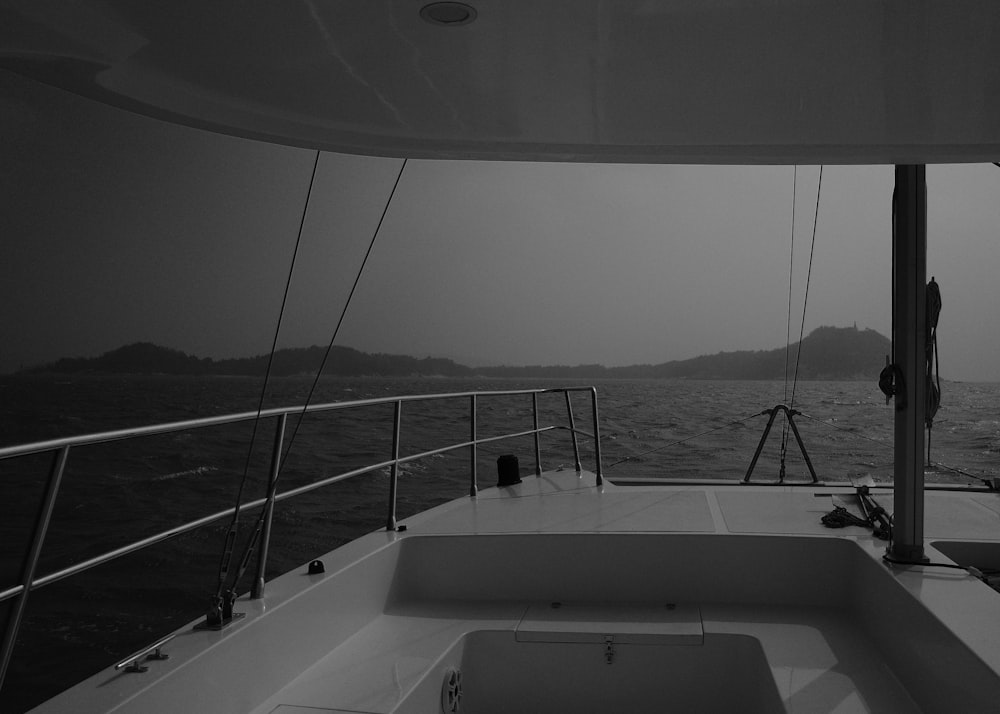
61	448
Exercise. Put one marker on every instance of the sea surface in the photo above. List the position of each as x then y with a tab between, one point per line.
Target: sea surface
116	493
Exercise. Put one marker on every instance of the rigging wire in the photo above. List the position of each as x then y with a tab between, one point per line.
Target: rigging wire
343	314
252	543
805	302
791	268
798	352
227	553
840	428
788	319
961	472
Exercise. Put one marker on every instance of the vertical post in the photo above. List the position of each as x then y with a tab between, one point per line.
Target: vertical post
390	523
909	272
597	436
572	430
257	589
802	447
31	560
538	450
760	444
473	485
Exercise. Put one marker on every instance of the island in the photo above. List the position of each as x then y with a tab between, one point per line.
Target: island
828	353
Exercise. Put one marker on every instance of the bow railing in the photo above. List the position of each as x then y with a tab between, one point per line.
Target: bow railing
61	450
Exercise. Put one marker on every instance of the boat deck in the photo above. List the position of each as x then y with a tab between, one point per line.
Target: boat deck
556	595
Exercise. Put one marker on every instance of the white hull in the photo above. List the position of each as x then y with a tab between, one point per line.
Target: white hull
772	612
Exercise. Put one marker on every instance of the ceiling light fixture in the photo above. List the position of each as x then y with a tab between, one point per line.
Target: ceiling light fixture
448	14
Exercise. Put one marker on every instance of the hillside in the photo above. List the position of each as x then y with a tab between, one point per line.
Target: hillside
147	358
827	353
830	353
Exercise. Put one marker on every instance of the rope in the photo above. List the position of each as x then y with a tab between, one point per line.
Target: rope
933	369
890	379
875	518
840	517
252	543
227	553
688	438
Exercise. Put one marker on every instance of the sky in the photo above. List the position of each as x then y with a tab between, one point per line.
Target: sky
117	228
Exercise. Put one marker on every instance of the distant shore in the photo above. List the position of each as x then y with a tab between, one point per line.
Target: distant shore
828	353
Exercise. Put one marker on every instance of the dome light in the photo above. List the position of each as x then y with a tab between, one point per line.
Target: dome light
448	14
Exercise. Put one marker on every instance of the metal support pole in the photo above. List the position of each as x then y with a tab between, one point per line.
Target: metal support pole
790	417
538	448
473	485
572	430
390	523
760	445
909	277
802	447
31	561
257	589
597	437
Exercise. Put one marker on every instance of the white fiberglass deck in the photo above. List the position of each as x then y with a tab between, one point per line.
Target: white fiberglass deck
555	595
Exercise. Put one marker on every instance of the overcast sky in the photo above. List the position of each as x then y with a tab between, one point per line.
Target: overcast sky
117	228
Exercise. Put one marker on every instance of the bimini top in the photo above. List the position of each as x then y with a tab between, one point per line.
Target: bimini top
712	81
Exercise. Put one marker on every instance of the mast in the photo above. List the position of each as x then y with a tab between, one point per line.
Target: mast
909	336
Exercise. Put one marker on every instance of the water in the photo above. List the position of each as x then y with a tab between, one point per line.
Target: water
116	493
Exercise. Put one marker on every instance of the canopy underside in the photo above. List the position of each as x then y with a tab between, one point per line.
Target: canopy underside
647	81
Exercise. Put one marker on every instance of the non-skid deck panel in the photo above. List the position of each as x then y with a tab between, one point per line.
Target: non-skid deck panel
780	512
585	510
558	481
560	502
990	501
947	515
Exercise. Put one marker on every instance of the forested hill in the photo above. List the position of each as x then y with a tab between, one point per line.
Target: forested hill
147	358
827	353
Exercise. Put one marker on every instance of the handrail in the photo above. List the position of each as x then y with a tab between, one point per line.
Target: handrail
131	663
168	427
61	447
249	506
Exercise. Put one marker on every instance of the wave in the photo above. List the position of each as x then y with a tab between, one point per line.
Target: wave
196	471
